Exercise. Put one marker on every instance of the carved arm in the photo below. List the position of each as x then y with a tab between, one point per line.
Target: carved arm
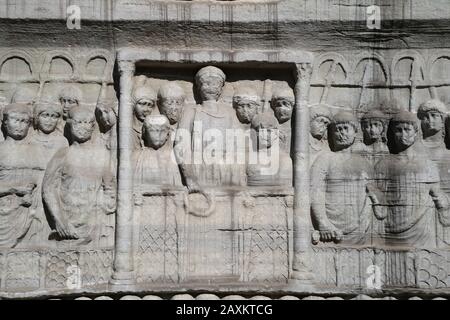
441	203
50	194
377	199
327	231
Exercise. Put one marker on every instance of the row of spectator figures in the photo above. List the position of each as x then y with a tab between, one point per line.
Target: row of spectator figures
58	162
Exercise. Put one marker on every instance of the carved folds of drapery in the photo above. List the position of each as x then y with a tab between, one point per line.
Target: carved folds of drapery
127	191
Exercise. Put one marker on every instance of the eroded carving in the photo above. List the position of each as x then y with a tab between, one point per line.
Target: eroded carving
410	189
340	205
19	178
77	190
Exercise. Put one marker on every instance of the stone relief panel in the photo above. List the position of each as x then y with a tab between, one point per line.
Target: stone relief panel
390	111
211	162
194	131
58	112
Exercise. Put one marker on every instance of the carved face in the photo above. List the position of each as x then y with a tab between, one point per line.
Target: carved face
267	137
343	135
67	104
106	117
372	129
47	121
143	108
282	109
319	127
404	134
210	87
245	109
17	125
156	136
432	122
171	108
82	127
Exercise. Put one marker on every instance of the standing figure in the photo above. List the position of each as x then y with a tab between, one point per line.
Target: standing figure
374	125
155	165
171	100
410	189
201	149
282	103
320	117
46	141
432	115
19	176
341	208
69	97
144	102
47	116
272	165
76	190
106	115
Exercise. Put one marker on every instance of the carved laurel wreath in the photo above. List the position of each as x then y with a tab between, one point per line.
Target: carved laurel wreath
210	198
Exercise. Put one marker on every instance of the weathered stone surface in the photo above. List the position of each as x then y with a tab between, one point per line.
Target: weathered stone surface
287	148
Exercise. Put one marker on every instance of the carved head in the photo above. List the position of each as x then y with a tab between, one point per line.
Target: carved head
171	98
343	130
246	102
46	116
106	114
156	131
210	81
320	117
70	97
432	116
144	101
374	125
282	103
81	123
17	120
266	127
404	128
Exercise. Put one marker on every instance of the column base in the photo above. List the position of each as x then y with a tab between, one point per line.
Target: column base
122	278
301	275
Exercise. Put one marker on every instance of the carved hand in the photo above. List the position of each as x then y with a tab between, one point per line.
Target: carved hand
65	231
109	199
371	191
24	190
192	186
329	232
439	199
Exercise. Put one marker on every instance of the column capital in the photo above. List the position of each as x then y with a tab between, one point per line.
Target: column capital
303	72
126	67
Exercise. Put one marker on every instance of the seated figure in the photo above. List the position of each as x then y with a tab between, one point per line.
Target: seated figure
76	189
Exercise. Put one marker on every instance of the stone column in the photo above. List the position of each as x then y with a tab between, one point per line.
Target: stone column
302	219
123	260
